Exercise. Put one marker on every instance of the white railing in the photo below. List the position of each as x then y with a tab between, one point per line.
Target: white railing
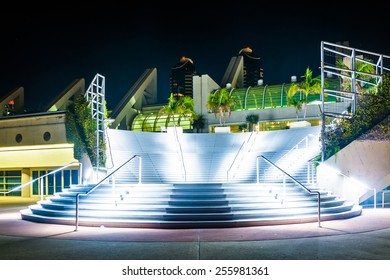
40	179
284	184
243	145
102	181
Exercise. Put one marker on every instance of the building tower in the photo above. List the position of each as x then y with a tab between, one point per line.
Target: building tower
253	69
244	70
181	77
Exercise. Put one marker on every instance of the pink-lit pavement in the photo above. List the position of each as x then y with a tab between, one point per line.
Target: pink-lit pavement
363	237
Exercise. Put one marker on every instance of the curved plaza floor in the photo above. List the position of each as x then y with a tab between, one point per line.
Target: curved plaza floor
366	237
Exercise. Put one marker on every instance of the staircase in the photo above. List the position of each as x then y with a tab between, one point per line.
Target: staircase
210	196
189	206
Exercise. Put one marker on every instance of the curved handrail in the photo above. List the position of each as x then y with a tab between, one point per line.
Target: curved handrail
104	179
293	179
109	147
45	175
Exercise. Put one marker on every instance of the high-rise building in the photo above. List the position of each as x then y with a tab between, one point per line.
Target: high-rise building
253	69
244	70
181	77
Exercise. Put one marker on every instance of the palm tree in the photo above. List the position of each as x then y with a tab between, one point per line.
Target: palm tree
297	105
308	86
220	103
252	119
199	123
183	107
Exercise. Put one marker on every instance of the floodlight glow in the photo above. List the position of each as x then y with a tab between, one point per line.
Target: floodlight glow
352	181
87	175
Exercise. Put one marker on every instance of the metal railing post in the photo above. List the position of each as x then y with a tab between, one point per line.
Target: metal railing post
296	181
383	197
99	184
40	180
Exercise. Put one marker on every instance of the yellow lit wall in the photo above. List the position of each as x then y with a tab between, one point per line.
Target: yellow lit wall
36	156
34	142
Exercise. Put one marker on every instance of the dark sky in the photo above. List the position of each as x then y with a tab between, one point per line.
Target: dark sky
44	53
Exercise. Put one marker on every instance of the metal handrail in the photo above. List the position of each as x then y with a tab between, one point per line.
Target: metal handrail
101	182
181	155
43	176
293	179
109	148
238	152
296	147
310	169
383	197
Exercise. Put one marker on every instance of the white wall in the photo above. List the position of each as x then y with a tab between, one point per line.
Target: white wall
364	164
32	128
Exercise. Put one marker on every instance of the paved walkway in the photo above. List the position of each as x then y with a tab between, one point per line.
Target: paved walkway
366	237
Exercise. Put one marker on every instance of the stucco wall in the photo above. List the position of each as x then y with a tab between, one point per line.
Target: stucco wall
32	130
362	165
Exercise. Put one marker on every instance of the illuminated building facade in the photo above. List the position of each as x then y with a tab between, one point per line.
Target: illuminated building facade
181	77
253	69
36	144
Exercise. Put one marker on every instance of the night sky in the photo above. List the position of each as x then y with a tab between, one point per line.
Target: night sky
44	53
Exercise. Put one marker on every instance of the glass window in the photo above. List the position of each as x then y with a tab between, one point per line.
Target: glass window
35	186
75	177
66	177
58	181
50	183
10	179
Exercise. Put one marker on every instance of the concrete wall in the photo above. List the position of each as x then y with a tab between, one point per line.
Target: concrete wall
42	141
202	86
357	170
31	130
